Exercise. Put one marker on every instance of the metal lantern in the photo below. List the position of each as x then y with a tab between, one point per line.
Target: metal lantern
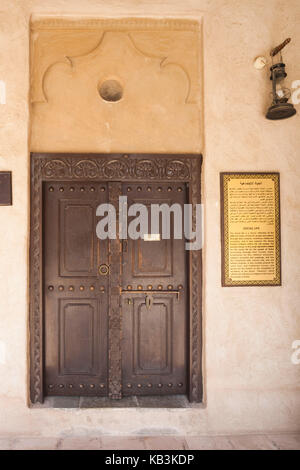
280	108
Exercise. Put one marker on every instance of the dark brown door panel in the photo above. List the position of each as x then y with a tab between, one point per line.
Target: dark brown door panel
76	304
154	345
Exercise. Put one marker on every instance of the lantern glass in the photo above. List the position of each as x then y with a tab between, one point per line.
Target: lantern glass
280	94
280	108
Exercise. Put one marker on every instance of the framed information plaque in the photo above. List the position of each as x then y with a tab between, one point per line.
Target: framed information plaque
250	229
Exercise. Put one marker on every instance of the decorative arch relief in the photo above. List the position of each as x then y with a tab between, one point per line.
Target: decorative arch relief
104	85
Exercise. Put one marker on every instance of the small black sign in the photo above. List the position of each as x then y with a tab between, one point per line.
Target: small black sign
5	188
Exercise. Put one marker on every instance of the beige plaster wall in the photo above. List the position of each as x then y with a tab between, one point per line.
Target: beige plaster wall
250	382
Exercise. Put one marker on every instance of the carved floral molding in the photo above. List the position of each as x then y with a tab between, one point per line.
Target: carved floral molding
120	167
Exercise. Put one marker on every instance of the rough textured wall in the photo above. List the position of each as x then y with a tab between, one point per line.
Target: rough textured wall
250	381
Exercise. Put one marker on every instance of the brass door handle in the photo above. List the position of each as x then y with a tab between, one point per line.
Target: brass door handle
103	269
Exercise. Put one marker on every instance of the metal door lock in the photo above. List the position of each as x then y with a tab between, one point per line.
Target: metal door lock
149	301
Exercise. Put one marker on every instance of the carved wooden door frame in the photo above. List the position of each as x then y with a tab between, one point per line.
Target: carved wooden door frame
183	168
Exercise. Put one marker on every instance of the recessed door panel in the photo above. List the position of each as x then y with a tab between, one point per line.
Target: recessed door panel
144	264
152	333
78	336
77	244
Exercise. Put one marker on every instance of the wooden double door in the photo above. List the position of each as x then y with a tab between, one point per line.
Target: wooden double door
115	311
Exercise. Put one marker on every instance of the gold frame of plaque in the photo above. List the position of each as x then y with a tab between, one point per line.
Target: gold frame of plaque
250	229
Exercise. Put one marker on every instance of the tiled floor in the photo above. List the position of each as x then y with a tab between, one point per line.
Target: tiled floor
240	442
